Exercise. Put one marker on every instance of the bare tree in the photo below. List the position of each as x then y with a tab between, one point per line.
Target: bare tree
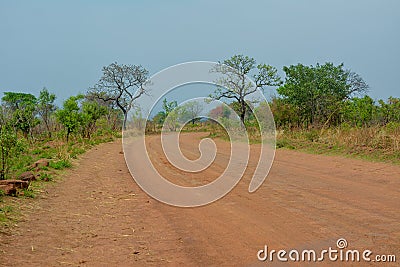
121	84
235	83
193	110
355	84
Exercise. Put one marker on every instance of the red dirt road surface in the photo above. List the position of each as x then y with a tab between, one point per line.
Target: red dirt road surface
96	215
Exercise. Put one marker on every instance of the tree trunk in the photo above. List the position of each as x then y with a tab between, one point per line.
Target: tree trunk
242	111
125	119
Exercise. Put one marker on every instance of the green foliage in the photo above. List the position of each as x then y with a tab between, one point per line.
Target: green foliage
10	147
28	193
75	151
46	107
359	111
319	92
169	106
23	109
5	212
159	118
91	113
46	177
168	117
286	115
69	116
60	165
390	110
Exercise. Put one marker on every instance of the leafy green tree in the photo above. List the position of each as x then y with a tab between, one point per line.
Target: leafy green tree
23	108
171	114
91	113
8	141
46	107
10	146
285	114
319	92
168	106
234	82
70	116
174	118
159	118
390	110
114	117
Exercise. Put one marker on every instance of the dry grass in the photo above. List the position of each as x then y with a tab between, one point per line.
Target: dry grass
374	142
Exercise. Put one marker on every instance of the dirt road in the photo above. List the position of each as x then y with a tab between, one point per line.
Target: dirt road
97	216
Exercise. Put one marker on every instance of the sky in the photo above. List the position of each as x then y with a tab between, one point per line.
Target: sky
63	45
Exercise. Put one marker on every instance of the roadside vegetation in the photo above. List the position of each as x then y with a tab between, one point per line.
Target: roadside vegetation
322	109
38	140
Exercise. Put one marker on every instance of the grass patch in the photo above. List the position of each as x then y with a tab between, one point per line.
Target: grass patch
46	177
4	213
60	165
29	193
75	151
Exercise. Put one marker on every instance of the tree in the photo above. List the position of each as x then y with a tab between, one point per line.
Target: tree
390	110
159	118
285	114
234	83
23	108
169	106
113	115
90	114
121	84
10	146
69	116
237	107
319	92
46	107
171	114
192	110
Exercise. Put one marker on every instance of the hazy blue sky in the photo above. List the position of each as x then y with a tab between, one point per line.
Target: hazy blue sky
63	45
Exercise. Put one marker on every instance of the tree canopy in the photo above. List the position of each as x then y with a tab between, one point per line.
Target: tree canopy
236	85
121	84
319	92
